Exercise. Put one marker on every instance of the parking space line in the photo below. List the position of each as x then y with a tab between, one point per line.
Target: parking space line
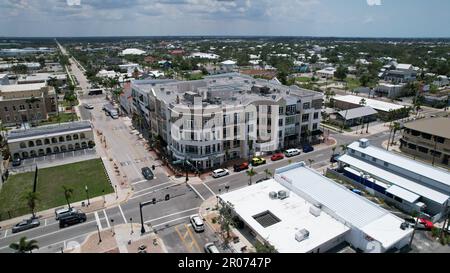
192	187
180	212
106	217
123	215
192	237
99	224
206	186
152	187
139	182
150	192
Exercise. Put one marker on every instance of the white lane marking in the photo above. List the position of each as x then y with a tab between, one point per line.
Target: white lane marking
152	187
45	222
99	224
57	231
165	223
151	192
192	187
6	233
106	217
206	186
180	212
123	215
139	182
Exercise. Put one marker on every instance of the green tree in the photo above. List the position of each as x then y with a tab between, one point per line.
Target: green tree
250	174
68	193
341	73
32	198
24	246
71	97
226	221
264	247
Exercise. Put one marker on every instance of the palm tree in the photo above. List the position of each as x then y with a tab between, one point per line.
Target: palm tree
268	173
396	127
31	198
68	192
311	161
250	174
362	103
24	246
344	148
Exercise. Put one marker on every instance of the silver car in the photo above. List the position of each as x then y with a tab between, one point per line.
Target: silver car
26	224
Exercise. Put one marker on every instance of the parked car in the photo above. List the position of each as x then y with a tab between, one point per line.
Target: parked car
17	162
26	224
277	156
334	158
88	106
241	167
428	225
147	173
64	211
220	172
197	223
72	219
308	148
256	161
292	152
211	248
421	223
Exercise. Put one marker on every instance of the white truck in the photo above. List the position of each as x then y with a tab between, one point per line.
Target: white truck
111	110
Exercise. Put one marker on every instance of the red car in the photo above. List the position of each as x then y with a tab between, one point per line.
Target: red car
277	157
426	223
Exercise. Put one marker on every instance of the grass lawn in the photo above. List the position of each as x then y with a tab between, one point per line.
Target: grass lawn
303	79
63	117
49	186
352	83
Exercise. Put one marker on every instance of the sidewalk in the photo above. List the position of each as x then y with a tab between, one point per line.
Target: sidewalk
125	238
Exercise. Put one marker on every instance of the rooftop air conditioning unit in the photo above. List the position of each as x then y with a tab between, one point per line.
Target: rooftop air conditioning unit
283	194
364	143
273	195
302	235
315	211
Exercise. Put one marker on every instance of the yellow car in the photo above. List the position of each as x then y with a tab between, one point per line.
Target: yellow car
256	161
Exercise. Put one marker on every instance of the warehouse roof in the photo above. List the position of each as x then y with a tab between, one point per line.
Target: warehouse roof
357	112
375	104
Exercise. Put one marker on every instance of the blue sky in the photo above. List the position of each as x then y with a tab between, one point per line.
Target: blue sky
361	18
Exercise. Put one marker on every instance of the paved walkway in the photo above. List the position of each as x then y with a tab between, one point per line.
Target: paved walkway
125	238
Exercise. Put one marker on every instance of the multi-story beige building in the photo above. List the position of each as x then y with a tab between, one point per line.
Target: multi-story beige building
51	139
428	139
29	103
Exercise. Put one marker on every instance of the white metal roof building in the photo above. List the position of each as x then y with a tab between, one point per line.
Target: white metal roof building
411	181
375	104
343	215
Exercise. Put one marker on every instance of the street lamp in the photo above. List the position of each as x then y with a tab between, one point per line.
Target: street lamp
99	237
87	194
112	227
131	225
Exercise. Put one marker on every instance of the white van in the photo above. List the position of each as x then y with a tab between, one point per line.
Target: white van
292	152
211	248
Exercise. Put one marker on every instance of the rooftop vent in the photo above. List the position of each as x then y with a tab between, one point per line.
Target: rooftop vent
283	194
273	195
364	143
302	235
315	211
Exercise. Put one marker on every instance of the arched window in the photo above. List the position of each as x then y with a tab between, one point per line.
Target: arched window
75	137
63	148
33	153
54	140
84	145
70	147
47	141
16	155
82	136
49	150
61	139
68	138
38	142
56	150
23	145
25	155
77	146
30	143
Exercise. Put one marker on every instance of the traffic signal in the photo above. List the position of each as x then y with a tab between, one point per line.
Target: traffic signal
167	198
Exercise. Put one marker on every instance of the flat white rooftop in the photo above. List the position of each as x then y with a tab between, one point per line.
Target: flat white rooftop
375	104
394	179
293	213
405	163
22	87
337	200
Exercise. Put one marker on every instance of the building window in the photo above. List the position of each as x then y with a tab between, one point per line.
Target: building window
30	106
306	105
305	118
315	126
23	145
7	118
6	109
386	164
374	159
37	106
363	155
14	108
22	107
281	110
316	115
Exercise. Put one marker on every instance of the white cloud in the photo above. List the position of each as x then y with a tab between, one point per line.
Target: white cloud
374	2
73	2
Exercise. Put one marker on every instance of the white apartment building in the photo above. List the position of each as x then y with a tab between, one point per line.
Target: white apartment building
226	116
